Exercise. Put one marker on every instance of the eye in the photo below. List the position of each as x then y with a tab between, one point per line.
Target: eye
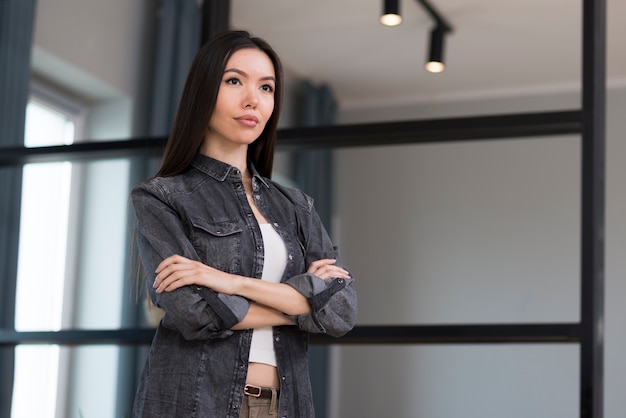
268	88
232	81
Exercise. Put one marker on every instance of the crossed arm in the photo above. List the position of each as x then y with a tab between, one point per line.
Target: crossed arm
272	303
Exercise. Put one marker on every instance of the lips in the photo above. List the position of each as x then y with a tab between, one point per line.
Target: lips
248	120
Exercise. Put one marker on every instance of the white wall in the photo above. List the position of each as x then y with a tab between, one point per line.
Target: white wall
94	51
479	232
93	41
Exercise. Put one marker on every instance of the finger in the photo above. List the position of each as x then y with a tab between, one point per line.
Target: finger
173	259
320	263
175	280
163	264
328	272
332	268
168	270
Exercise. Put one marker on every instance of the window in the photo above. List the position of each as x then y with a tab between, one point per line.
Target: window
72	265
42	259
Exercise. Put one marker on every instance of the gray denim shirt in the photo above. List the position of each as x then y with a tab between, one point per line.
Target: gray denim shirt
197	365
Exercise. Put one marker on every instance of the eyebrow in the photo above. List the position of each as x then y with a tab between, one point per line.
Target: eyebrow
243	73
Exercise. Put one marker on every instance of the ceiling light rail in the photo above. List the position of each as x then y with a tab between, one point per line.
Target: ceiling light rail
391	17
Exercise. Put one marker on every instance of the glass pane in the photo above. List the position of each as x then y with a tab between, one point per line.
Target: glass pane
43	224
437	381
43	244
478	232
46	126
36	372
90	381
101	252
73	269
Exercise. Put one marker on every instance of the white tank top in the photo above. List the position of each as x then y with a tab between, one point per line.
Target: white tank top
275	261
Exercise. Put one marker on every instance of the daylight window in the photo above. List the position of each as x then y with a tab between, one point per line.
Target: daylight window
42	261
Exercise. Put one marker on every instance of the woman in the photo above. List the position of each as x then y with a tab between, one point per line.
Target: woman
210	225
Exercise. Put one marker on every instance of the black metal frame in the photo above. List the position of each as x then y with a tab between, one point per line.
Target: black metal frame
340	136
593	208
589	122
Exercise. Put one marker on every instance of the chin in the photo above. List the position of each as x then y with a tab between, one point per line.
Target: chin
248	140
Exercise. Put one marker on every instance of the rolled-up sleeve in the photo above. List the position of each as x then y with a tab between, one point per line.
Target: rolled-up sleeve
198	313
333	301
333	304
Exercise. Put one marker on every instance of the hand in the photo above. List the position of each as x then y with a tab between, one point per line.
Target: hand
178	271
326	269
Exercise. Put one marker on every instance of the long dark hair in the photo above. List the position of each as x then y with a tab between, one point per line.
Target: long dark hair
197	104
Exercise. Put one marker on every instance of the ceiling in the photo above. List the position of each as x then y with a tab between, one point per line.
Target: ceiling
498	47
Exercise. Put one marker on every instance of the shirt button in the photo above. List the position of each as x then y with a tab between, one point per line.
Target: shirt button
275	223
277	339
291	256
340	281
258	247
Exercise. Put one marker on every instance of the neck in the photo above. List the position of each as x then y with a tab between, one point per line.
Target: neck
235	156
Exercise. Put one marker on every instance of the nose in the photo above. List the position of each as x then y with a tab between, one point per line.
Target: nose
251	100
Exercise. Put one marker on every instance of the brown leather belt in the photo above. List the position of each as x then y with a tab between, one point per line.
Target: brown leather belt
257	391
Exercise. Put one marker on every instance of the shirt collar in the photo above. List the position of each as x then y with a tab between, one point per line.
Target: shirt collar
220	170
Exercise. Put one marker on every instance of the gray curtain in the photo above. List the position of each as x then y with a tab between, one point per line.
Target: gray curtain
16	33
178	40
313	168
314	176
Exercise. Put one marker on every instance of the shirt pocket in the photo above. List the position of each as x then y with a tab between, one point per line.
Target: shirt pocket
218	243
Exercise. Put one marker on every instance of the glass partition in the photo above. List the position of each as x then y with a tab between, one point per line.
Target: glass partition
90	381
440	381
480	232
74	259
457	233
487	231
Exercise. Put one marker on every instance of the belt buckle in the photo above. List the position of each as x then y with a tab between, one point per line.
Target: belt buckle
246	390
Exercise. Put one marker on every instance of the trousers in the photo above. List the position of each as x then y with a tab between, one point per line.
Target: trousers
260	407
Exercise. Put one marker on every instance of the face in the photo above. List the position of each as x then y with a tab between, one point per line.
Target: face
245	100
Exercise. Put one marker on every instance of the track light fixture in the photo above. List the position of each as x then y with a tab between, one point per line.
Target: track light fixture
435	56
435	63
391	13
